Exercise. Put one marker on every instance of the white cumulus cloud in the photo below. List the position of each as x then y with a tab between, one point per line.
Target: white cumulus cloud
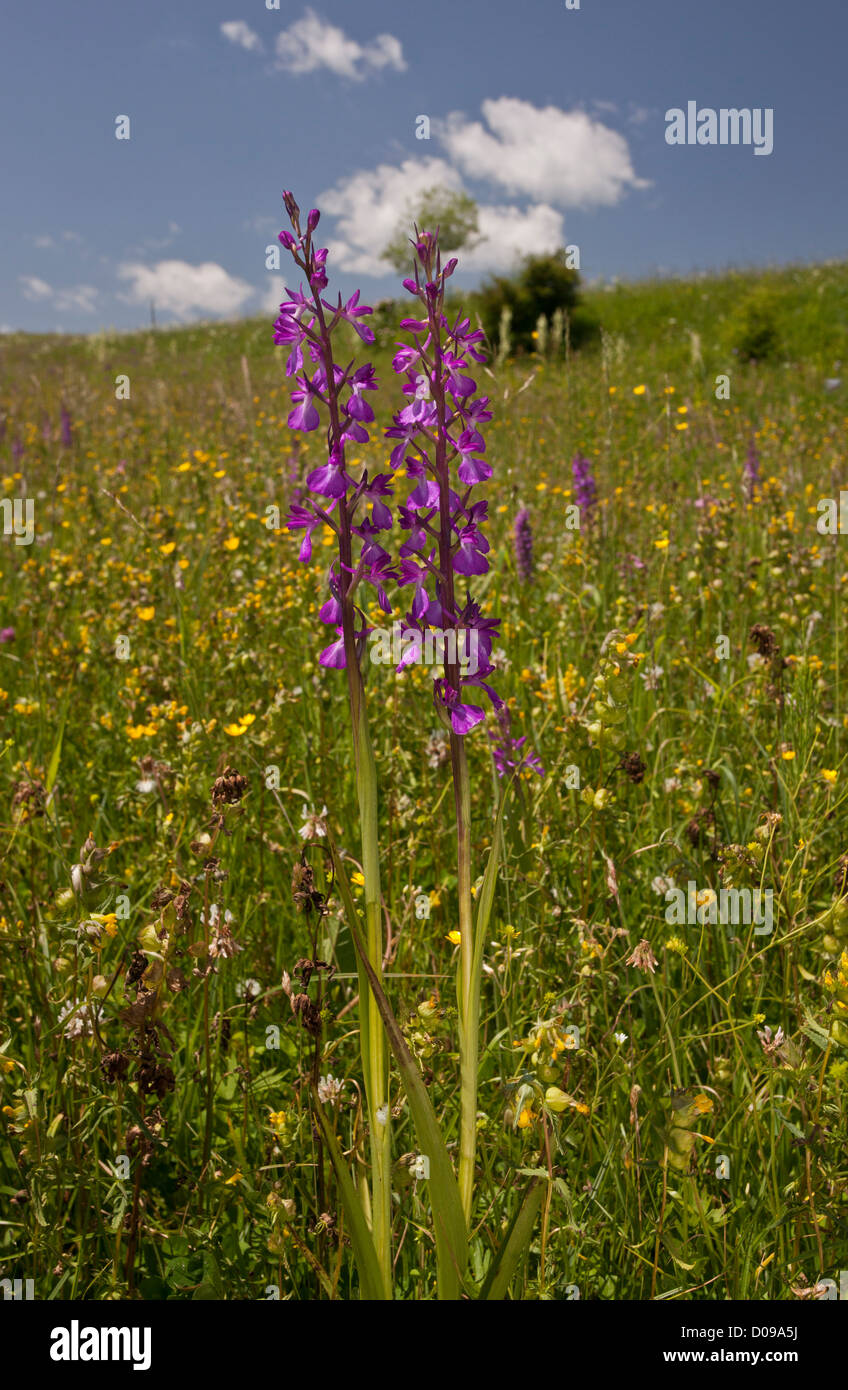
184	290
508	233
556	156
240	33
273	294
371	204
312	43
546	158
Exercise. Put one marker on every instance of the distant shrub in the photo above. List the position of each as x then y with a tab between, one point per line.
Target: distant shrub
544	288
753	327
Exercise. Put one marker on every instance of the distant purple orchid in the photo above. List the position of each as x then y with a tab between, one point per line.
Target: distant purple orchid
523	540
507	751
751	472
585	487
629	563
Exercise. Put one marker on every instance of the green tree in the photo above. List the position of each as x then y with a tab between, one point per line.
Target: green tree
453	214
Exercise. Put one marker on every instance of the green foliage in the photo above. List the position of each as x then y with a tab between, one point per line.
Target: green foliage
753	331
543	287
453	215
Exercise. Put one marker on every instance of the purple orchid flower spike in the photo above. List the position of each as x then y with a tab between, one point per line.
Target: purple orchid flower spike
751	472
440	441
306	325
585	487
523	538
507	751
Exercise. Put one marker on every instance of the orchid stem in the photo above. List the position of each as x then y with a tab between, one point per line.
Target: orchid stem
468	988
372	1037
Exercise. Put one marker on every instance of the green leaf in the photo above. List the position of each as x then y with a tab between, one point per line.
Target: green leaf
486	898
813	1030
675	1251
370	1278
353	921
205	1293
514	1245
448	1218
53	765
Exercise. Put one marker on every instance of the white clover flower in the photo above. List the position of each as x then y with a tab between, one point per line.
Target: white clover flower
330	1089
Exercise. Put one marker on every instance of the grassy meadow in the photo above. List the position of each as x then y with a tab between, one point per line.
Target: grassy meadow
159	634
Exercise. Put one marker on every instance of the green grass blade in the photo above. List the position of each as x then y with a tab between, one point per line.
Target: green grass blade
370	1279
514	1245
486	899
55	756
343	885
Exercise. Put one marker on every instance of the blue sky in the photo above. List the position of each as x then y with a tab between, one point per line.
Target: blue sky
553	119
